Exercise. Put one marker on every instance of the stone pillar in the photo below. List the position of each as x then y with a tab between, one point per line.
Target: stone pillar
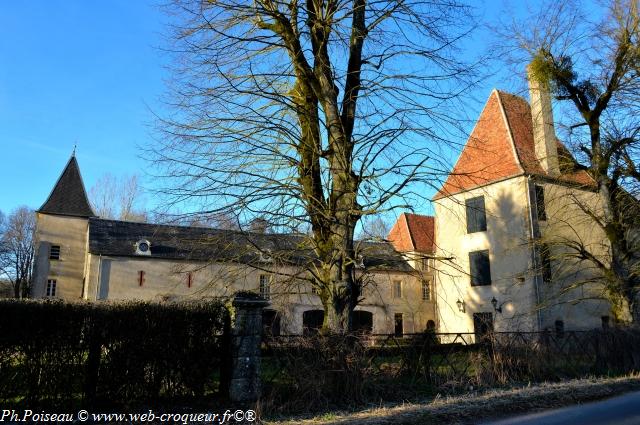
246	337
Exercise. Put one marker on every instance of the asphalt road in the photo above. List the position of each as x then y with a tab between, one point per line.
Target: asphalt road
621	410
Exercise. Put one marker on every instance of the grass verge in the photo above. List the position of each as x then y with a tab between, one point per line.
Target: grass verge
473	408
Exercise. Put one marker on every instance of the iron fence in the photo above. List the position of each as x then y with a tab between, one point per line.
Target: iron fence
428	363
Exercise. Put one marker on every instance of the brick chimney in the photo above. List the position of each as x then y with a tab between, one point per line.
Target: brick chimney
544	135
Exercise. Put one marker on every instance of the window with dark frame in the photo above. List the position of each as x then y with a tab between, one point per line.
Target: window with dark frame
51	288
479	268
265	289
476	215
426	290
314	290
540	207
545	260
54	252
398	324
397	289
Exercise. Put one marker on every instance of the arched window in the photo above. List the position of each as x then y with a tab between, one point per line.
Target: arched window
312	321
362	321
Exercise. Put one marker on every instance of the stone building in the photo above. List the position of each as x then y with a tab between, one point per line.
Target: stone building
491	258
504	218
83	257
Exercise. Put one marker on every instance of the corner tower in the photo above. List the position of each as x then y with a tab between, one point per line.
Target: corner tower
62	227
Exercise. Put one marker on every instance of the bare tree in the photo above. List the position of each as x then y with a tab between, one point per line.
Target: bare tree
118	198
375	228
593	69
311	115
17	250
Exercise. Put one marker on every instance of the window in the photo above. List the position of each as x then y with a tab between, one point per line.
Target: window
605	322
426	290
397	289
559	326
54	252
545	259
427	264
189	279
51	288
398	324
362	321
542	213
265	290
480	269
476	217
141	278
315	290
312	322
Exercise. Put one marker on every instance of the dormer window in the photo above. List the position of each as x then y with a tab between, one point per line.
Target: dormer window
54	252
265	256
143	247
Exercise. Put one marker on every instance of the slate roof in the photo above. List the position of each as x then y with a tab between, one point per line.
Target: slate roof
501	146
413	232
68	196
118	238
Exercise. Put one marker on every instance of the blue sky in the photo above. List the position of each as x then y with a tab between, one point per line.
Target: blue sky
89	73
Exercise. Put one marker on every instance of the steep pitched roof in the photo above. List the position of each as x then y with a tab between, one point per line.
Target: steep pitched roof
501	146
118	238
413	232
68	196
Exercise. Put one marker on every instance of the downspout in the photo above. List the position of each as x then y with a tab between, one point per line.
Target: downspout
534	253
99	275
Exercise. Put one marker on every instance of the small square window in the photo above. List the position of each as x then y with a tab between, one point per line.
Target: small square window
314	290
397	289
51	288
265	286
54	252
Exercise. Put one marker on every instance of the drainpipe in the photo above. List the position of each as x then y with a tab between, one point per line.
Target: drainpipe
98	277
534	253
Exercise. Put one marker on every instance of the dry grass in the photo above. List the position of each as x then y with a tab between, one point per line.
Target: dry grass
472	408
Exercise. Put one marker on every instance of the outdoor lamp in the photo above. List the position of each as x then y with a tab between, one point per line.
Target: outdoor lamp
494	303
460	305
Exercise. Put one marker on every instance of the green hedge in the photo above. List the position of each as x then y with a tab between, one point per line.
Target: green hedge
69	354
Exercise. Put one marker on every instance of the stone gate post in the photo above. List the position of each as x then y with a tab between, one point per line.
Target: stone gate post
246	337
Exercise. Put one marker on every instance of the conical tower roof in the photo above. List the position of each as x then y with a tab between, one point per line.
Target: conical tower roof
68	196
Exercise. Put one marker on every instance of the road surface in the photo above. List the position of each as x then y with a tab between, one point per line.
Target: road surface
621	410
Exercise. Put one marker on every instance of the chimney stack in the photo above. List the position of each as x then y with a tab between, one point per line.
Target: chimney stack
544	135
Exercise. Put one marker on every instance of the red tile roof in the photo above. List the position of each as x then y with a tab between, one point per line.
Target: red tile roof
413	232
501	146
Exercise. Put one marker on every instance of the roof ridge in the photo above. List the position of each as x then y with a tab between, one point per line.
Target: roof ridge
510	132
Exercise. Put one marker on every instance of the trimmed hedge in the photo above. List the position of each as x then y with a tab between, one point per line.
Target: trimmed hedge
55	353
